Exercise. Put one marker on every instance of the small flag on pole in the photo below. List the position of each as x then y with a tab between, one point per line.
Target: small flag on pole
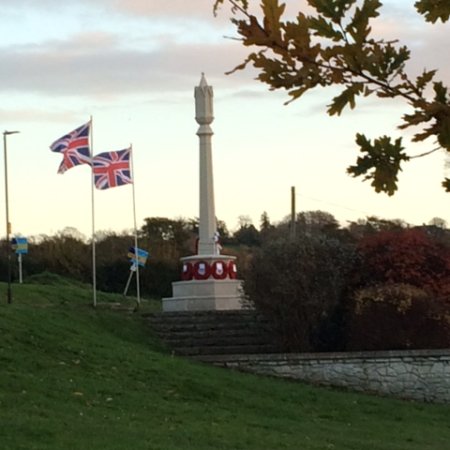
140	256
74	147
112	169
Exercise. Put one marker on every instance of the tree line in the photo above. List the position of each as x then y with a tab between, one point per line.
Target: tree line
372	284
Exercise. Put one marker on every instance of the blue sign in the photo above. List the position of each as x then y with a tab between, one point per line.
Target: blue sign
20	245
140	257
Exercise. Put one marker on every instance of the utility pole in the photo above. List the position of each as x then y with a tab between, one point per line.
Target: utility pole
293	213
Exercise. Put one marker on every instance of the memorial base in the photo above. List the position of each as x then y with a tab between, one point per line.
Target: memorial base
209	294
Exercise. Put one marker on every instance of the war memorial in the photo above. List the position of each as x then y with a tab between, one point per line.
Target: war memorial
208	279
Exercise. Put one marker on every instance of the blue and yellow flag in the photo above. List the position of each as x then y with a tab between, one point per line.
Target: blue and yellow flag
140	256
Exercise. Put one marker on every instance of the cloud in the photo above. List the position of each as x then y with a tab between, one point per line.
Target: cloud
199	9
95	64
173	8
37	115
248	94
114	62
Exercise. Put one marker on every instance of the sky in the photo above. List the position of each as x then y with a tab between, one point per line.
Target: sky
133	64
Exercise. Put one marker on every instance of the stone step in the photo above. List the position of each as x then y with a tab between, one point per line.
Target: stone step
225	350
244	332
171	318
206	326
213	332
217	341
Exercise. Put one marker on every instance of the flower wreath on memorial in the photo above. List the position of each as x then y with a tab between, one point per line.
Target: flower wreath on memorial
186	272
232	270
201	270
219	270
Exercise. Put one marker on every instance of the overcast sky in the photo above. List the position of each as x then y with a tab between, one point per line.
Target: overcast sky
133	64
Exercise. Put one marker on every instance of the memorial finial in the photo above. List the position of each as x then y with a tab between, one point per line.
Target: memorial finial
203	82
203	102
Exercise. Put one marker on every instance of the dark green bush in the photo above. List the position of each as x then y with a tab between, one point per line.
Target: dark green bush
301	285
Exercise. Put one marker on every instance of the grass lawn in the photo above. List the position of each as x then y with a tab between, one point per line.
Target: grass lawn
72	377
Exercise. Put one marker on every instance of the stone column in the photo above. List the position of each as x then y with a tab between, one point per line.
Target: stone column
204	116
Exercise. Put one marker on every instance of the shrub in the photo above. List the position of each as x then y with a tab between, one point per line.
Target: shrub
300	285
397	316
408	256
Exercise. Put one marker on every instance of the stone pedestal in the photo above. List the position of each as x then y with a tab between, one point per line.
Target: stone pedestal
208	283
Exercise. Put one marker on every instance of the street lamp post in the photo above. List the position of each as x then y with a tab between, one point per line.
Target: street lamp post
8	224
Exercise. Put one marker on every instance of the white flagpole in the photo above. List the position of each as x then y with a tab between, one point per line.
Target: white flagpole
94	275
138	291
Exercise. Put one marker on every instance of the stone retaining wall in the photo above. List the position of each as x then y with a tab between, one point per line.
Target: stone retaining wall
417	374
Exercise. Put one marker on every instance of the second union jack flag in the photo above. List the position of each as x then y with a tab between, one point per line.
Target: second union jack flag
74	147
112	169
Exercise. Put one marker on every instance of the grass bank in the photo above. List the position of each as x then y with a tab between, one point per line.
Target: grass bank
72	377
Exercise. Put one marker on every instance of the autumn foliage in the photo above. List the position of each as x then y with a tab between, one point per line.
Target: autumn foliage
386	287
403	298
332	43
407	256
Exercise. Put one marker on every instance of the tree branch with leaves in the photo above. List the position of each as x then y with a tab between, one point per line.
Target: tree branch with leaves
334	47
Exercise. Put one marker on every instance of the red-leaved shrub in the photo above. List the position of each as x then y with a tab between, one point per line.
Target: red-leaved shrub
407	256
402	296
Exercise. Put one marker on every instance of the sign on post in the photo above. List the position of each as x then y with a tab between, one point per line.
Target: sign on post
20	246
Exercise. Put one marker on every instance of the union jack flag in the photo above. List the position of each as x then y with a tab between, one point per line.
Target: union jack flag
112	169
74	147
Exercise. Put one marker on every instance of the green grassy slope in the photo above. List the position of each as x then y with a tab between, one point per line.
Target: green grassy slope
76	378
